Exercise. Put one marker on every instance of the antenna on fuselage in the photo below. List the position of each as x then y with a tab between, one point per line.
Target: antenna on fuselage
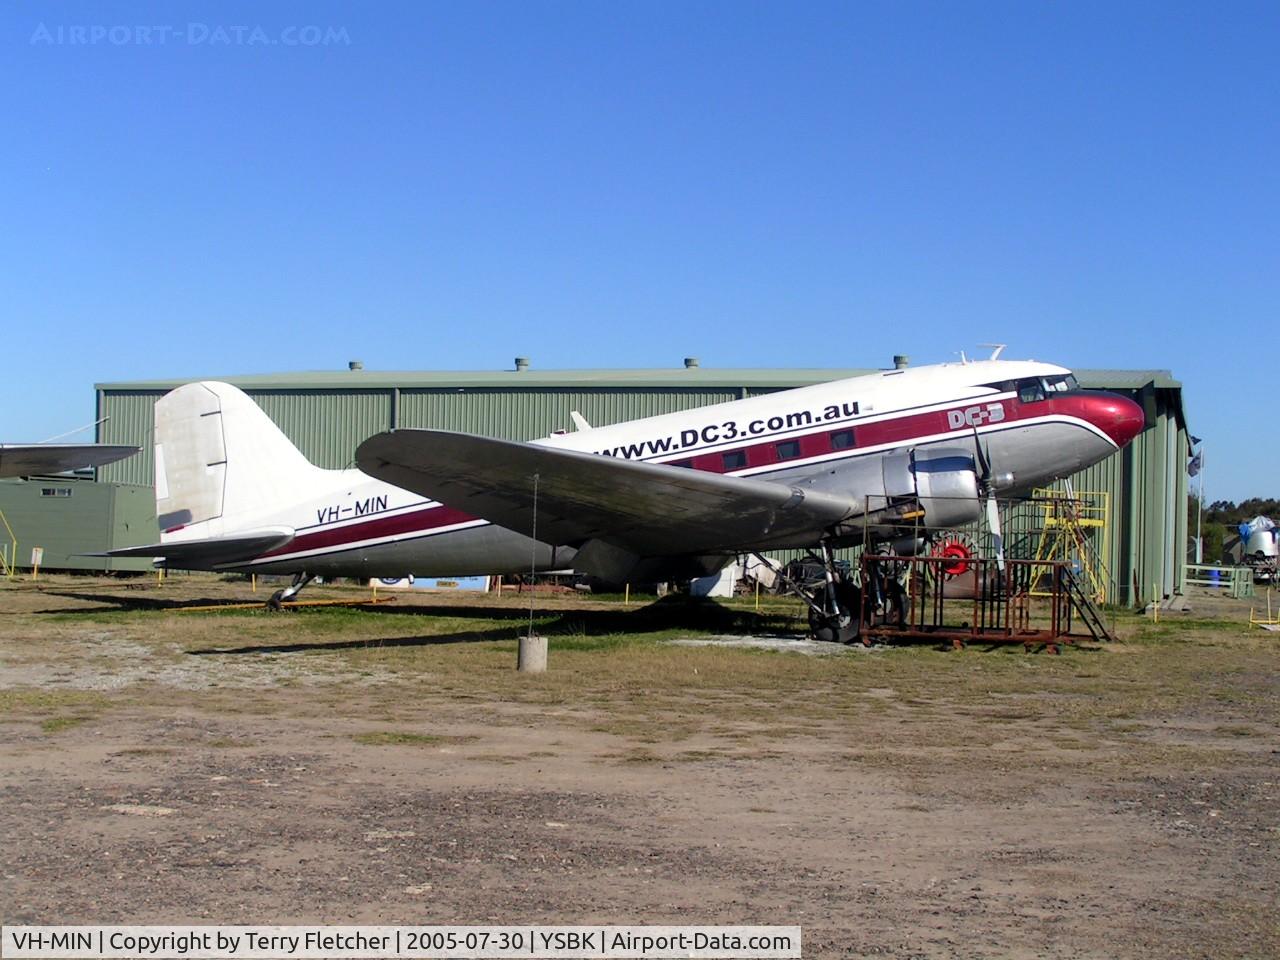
997	349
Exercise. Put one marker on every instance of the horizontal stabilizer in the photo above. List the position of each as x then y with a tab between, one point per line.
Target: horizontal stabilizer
211	552
35	459
650	509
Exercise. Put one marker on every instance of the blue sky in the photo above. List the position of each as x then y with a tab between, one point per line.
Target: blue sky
624	184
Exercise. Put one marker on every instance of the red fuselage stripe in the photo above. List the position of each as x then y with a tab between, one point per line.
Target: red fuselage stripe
419	521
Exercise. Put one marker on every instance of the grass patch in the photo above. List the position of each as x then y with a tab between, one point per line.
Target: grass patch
405	738
59	724
143	752
42	701
1235	730
638	756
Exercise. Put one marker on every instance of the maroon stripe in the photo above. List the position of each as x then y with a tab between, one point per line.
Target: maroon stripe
416	522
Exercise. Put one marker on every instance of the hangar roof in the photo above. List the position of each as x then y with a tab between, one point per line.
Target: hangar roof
700	377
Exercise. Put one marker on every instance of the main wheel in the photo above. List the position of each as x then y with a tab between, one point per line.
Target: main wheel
841	627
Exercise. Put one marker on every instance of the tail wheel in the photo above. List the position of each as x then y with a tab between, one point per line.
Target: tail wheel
957	553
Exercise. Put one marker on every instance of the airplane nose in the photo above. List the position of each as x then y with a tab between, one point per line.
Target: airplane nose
1118	417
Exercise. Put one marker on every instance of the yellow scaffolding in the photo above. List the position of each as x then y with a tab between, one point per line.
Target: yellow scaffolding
1074	528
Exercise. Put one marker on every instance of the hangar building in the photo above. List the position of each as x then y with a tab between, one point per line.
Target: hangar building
328	414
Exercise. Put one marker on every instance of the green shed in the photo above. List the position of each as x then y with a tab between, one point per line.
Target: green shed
68	517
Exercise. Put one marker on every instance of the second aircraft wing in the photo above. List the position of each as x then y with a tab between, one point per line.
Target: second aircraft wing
31	459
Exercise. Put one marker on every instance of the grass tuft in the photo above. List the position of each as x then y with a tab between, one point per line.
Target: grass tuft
59	724
405	738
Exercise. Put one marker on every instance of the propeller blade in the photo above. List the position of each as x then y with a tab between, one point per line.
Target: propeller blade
983	461
993	524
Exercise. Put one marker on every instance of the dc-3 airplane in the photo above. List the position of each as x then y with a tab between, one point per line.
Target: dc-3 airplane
666	497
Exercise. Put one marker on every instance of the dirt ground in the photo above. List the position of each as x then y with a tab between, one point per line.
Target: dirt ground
387	765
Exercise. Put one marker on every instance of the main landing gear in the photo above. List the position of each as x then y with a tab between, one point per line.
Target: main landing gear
839	607
281	597
835	604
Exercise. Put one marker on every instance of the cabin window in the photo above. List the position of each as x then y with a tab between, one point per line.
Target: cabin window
734	459
788	449
55	491
681	463
842	440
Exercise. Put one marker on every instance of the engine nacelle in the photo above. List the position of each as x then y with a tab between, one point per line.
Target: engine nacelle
943	479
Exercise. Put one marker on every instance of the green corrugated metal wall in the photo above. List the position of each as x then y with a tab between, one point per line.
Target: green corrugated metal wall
1147	481
526	414
129	420
327	433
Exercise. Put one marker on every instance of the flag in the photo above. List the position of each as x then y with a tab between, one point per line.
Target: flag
1196	463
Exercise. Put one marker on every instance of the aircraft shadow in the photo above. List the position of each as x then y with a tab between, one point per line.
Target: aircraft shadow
665	614
116	603
379	643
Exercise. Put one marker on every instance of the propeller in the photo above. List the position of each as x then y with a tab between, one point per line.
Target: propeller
982	458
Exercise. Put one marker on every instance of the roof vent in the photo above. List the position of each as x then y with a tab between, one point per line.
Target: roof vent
355	365
690	362
522	364
900	361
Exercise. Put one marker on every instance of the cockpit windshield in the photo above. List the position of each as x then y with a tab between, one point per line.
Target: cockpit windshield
1033	389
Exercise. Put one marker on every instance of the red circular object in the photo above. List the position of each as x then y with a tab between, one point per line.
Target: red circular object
956	556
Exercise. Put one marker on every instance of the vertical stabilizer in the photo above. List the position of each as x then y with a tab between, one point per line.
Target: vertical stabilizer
218	457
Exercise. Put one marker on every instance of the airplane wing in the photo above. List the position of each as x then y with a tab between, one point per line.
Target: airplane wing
31	459
649	509
212	551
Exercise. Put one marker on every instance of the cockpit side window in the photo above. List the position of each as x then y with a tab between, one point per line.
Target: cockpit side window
1031	390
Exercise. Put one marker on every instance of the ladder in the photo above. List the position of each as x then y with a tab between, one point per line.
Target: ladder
1084	605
